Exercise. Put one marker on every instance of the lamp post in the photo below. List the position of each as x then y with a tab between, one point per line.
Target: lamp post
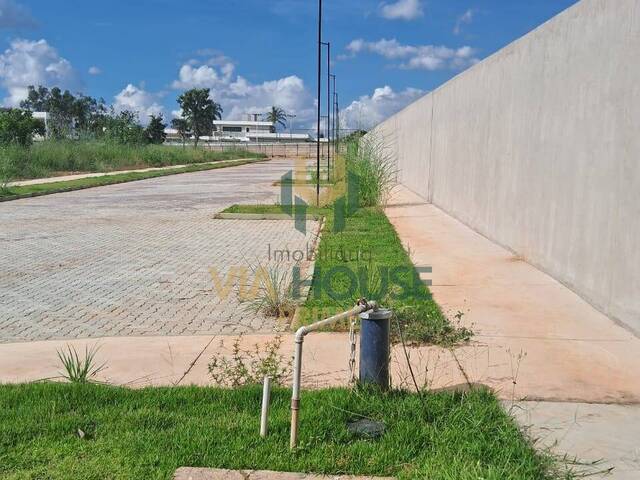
337	118
333	126
319	94
328	45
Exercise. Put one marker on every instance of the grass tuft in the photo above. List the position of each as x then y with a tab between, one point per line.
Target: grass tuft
80	370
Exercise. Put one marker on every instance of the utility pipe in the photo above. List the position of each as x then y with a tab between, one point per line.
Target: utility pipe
266	398
363	306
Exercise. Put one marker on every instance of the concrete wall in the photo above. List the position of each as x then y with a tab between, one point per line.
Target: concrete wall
538	148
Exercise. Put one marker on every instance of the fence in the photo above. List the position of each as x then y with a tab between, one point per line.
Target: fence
284	150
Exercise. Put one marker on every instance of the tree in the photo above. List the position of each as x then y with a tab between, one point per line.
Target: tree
123	128
199	111
17	127
182	126
155	130
277	116
69	115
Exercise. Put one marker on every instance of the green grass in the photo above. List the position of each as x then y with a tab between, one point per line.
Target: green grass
136	434
369	243
48	158
13	193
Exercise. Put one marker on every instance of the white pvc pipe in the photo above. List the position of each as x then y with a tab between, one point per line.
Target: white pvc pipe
363	306
266	398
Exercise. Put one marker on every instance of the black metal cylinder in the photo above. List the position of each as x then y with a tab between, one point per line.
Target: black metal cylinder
374	348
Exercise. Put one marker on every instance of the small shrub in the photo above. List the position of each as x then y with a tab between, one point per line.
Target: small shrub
423	323
80	370
249	367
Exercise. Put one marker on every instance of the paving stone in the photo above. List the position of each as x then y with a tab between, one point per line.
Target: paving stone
135	258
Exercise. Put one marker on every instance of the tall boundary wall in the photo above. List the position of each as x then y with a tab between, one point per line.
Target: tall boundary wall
538	148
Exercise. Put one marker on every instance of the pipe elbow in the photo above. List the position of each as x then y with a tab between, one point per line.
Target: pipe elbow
300	334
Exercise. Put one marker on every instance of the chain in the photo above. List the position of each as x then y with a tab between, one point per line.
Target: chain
352	351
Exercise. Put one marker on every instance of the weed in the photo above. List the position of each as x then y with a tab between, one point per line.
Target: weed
80	370
371	161
249	367
272	291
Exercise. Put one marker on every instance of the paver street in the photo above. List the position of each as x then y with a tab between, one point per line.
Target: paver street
134	259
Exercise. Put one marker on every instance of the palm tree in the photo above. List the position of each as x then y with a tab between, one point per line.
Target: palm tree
277	116
217	111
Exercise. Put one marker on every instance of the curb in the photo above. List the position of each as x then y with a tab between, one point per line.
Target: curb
262	216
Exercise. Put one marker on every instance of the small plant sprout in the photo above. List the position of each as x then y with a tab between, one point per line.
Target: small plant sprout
80	370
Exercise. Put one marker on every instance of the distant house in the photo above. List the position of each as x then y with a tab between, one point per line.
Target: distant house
249	131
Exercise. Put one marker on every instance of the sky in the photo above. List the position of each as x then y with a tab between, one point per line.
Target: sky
252	54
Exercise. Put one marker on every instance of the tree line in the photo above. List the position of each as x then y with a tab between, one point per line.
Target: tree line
83	117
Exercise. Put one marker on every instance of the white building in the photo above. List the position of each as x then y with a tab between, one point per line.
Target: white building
249	131
239	129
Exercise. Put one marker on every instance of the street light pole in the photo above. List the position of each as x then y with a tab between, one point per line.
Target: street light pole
328	44
333	125
337	117
319	94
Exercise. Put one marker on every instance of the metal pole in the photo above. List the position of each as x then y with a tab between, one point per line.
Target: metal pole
328	44
319	94
333	126
338	121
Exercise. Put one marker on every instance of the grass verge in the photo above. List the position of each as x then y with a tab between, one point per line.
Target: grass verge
134	434
366	250
16	192
48	158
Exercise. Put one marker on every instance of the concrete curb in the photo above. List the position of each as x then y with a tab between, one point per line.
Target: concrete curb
261	216
188	473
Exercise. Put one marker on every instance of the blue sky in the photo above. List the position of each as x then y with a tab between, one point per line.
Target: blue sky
140	54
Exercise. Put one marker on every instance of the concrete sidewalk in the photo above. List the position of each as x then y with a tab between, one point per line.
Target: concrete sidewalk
529	328
183	360
534	339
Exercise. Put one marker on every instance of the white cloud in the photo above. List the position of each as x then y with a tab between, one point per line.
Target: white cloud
192	75
14	15
465	19
402	10
368	111
137	99
94	70
28	62
424	57
238	96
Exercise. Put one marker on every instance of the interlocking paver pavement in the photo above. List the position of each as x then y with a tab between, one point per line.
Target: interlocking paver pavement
134	259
